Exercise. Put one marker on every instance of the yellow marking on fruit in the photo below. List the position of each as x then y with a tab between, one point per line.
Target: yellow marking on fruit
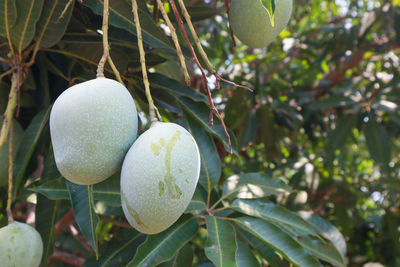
169	179
132	211
180	171
178	191
187	181
162	141
155	148
161	188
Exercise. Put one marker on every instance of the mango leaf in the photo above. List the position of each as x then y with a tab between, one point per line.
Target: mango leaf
46	215
322	250
331	102
107	191
266	252
270	7
163	246
338	137
175	88
24	29
244	256
210	171
273	213
27	146
83	206
378	141
121	16
278	240
221	241
253	185
119	250
326	229
183	258
197	203
201	112
49	29
8	16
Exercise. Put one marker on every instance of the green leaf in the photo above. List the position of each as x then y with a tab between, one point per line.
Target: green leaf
183	258
121	16
266	251
201	112
175	88
8	16
163	246
253	185
270	7
326	229
210	171
107	191
118	252
274	214
221	241
322	250
27	146
331	102
342	132
49	29
24	29
244	256
378	141
278	240
83	206
46	215
197	203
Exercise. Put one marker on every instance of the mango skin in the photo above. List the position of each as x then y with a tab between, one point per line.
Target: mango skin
159	176
4	163
251	23
92	126
20	246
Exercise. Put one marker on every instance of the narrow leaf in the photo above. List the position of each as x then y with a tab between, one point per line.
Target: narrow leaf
49	29
46	215
278	240
270	7
244	256
222	245
83	207
27	146
183	258
273	213
163	246
253	185
342	132
24	29
378	141
8	16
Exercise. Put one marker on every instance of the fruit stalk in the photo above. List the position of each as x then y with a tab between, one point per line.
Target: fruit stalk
152	108
10	174
106	47
176	42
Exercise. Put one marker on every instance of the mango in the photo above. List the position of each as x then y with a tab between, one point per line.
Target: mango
4	162
20	246
92	126
159	176
252	25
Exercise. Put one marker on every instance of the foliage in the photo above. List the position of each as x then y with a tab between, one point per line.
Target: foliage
314	175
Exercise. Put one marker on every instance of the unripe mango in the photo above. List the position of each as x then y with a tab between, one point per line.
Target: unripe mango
251	23
4	162
159	176
92	126
20	246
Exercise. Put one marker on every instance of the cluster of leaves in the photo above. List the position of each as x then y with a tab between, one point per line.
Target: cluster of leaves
323	121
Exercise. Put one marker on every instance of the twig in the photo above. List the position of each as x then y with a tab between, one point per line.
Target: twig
69	258
176	42
227	5
10	174
152	108
11	105
106	48
6	61
64	11
203	54
213	109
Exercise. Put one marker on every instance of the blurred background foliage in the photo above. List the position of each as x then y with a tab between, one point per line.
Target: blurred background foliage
323	119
